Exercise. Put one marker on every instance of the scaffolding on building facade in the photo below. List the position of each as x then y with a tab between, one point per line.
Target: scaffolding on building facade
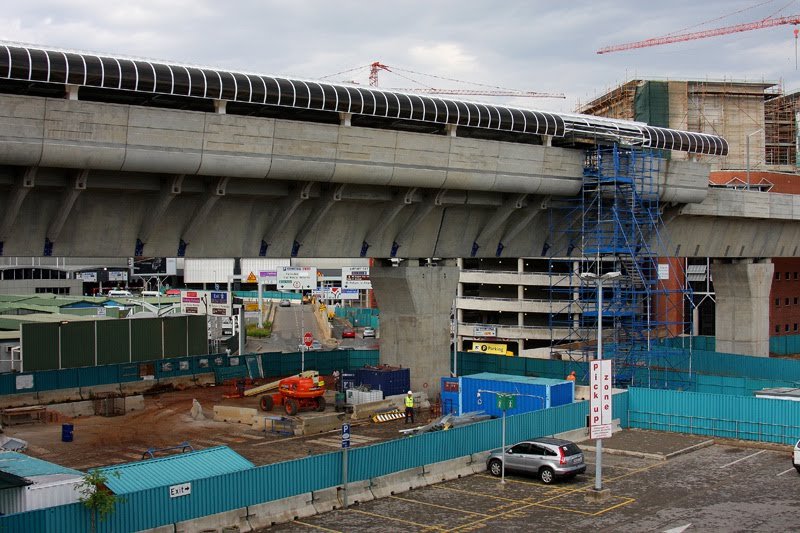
615	225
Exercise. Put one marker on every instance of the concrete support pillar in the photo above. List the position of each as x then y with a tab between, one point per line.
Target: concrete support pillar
415	304
220	107
742	310
71	92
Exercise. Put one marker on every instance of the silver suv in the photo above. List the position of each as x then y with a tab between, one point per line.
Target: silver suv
546	457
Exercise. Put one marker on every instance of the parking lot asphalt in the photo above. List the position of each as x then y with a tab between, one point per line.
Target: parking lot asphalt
713	487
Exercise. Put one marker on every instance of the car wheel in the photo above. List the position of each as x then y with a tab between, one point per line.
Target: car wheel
320	404
797	467
495	467
547	475
291	406
266	403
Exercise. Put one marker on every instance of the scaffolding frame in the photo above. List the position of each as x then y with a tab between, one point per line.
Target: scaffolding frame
615	224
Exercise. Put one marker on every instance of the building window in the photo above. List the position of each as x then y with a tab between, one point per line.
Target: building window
795	300
787	276
786	302
795	275
786	327
777	276
795	326
777	329
777	302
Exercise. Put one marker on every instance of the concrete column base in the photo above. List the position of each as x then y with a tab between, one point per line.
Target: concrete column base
415	303
595	495
742	311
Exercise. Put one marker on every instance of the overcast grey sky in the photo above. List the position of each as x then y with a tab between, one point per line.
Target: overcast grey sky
533	45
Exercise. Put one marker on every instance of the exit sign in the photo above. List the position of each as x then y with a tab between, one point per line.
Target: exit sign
506	402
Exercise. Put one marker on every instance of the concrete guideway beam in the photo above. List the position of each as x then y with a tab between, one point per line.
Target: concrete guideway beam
200	216
68	198
499	218
421	211
325	204
22	187
388	217
287	209
524	222
169	191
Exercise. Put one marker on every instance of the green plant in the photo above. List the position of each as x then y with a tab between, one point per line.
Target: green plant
254	331
96	496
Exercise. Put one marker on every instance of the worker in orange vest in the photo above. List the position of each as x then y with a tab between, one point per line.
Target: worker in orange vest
571	376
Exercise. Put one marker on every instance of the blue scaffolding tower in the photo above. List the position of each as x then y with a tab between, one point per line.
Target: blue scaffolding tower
615	225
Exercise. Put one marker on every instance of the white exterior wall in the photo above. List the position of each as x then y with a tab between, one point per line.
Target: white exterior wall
45	492
258	264
12	500
207	270
41	495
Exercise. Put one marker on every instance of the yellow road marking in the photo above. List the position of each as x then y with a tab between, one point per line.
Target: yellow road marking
629	501
439	506
316	526
492	496
425	526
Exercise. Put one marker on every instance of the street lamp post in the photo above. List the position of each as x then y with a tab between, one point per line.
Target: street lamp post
599	280
747	154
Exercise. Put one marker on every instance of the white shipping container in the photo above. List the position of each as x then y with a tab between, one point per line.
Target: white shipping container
46	491
357	397
60	489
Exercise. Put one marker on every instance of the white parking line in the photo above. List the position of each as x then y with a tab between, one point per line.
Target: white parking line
743	458
786	471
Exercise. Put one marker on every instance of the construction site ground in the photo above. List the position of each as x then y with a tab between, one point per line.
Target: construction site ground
166	422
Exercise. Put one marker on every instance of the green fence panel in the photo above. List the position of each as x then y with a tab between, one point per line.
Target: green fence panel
128	372
113	342
718	415
98	375
198	335
146	339
175	337
362	358
77	344
40	343
8	383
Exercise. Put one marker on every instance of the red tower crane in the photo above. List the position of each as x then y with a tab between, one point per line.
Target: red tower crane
377	66
725	30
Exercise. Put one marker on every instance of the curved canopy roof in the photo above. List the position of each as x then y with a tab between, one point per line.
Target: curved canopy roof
31	63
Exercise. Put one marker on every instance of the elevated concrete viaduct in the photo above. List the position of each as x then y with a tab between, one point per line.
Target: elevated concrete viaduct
108	156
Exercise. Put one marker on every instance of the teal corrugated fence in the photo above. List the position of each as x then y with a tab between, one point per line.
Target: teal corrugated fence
716	415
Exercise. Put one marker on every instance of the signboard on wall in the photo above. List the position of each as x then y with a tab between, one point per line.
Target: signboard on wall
490	348
163	266
356	278
117	275
338	293
296	278
87	277
215	303
663	271
600	414
484	331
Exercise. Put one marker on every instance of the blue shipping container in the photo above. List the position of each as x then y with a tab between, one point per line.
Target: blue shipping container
479	393
390	381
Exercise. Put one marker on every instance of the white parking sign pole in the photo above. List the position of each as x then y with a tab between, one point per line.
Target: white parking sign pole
345	447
